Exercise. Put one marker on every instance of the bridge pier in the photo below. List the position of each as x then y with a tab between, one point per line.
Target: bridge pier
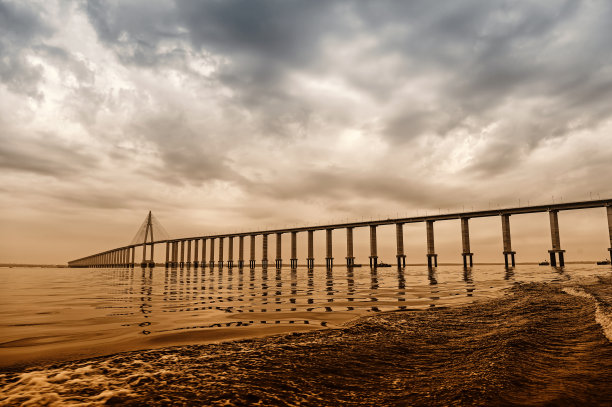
133	256
167	264
279	259
211	255
252	258
373	247
350	257
182	264
310	258
264	257
432	257
170	255
556	241
329	259
230	251
188	264
508	253
203	253
196	253
221	252
609	212
399	238
294	260
465	240
240	251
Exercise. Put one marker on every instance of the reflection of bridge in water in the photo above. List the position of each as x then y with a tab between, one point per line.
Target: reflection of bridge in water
159	302
193	251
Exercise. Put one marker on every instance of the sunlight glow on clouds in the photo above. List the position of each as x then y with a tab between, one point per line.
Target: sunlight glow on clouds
317	108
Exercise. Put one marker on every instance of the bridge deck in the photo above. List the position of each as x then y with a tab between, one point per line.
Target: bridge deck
415	219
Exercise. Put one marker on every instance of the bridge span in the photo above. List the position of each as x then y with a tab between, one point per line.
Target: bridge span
179	251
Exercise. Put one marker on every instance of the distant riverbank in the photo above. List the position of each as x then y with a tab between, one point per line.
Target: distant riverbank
540	344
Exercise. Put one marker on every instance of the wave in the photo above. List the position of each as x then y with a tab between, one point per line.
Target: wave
540	344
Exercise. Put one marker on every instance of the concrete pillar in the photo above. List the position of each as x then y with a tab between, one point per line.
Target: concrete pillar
221	252
310	258
203	253
279	255
329	258
350	257
152	263
264	254
133	256
432	257
189	253
144	254
240	251
373	247
508	253
182	253
167	264
196	253
399	237
230	251
556	240
609	212
294	259
212	253
252	258
465	240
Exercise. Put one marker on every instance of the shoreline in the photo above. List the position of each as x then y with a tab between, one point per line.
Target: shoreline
537	345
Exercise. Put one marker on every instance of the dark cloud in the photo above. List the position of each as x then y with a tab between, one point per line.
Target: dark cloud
188	154
44	155
485	53
21	26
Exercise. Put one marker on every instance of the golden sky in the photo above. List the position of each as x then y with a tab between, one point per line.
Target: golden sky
242	115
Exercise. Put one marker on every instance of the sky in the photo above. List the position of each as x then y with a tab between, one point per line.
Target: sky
237	115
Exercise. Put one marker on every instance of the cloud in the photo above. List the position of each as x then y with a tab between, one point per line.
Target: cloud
256	109
21	26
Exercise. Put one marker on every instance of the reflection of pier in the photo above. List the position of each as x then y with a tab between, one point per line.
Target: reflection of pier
179	251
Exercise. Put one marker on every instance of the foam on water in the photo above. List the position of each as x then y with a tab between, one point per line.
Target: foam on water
82	386
537	345
601	317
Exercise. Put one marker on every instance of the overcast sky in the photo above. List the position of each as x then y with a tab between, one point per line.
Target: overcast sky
235	115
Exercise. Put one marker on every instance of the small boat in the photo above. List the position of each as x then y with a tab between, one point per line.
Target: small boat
603	263
383	265
544	263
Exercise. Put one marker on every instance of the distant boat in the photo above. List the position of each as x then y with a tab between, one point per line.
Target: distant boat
603	262
383	265
544	263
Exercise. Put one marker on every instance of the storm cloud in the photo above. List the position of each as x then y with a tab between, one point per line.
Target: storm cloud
338	108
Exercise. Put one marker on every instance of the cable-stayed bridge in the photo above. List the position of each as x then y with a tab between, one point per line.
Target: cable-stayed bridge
193	251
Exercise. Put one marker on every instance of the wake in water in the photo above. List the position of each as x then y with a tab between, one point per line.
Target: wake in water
541	344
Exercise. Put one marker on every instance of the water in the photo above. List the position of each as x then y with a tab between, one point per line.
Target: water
58	313
545	341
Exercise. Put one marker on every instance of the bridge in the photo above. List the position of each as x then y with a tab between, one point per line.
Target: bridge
179	251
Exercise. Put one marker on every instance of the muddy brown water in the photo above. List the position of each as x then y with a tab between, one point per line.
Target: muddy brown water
550	335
